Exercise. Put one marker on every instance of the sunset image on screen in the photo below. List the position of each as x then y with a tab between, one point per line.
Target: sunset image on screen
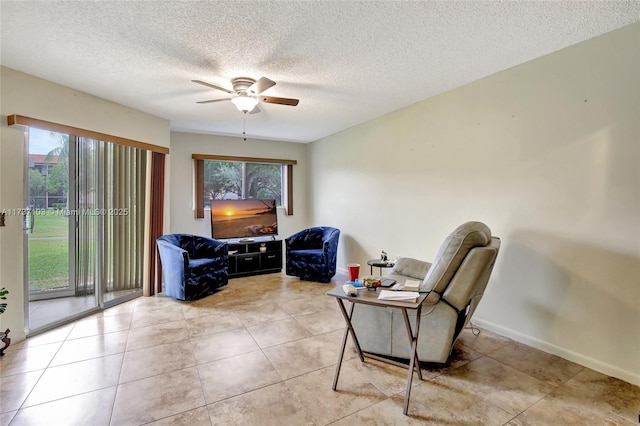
238	208
243	218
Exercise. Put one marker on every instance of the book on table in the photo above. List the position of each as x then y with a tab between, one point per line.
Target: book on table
399	296
408	285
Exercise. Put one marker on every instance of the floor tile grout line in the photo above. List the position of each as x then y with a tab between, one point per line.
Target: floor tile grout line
44	371
115	396
553	385
22	407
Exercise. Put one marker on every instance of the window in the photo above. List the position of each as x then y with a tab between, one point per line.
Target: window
224	180
222	177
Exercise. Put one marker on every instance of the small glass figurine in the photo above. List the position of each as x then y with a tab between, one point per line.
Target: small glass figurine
383	256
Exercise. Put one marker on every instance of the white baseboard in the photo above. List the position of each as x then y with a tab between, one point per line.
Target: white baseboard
594	364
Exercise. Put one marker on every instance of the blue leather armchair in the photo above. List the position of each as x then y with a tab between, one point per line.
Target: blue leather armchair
312	254
192	266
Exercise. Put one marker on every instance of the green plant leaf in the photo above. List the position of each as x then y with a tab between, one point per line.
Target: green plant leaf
3	292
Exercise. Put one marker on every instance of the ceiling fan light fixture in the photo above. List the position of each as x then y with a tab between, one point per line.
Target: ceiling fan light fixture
245	103
247	94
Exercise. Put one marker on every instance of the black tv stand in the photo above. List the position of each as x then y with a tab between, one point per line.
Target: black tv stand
254	257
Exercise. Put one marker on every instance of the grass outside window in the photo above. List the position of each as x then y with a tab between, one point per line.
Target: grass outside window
49	252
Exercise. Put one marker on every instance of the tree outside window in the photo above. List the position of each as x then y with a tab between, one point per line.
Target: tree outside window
242	180
222	180
37	185
58	183
263	181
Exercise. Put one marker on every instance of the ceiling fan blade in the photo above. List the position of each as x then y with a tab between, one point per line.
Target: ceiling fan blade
213	100
280	101
255	110
204	83
261	85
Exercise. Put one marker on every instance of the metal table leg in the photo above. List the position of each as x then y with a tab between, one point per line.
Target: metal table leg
347	329
414	362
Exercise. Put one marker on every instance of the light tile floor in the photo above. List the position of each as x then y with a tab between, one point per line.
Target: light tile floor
263	351
46	312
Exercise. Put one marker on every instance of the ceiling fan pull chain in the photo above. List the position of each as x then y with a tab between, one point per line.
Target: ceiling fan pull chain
244	125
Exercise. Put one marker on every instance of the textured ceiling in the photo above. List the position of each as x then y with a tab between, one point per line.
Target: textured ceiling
346	61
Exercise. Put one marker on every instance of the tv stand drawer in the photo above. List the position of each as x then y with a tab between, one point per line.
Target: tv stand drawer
271	260
248	262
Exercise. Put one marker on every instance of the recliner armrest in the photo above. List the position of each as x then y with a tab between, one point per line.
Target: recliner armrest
410	267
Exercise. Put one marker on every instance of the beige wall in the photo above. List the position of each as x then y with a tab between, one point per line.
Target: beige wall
183	145
548	155
26	95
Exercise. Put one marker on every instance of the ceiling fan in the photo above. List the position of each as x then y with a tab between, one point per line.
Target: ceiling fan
246	94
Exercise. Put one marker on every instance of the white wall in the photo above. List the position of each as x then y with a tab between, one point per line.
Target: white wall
548	155
26	95
184	145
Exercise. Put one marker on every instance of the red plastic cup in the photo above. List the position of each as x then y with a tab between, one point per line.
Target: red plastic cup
354	271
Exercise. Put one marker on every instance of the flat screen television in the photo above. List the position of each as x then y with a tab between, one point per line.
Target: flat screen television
243	219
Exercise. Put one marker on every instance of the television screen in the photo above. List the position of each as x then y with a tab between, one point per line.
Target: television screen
243	218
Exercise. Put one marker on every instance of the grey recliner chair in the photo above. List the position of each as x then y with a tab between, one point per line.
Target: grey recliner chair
457	279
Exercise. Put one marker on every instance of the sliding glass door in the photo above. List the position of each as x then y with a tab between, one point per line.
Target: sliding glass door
85	250
50	230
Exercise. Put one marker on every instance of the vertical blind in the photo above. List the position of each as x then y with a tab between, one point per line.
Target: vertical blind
86	161
124	205
110	216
